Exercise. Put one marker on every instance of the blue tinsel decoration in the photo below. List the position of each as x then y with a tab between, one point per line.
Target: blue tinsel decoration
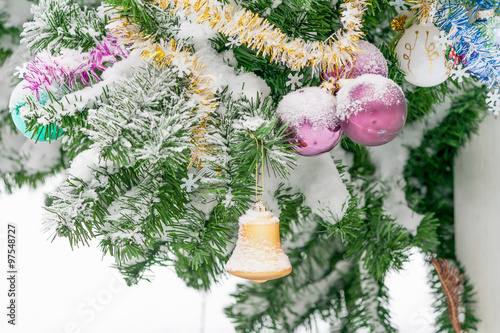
477	52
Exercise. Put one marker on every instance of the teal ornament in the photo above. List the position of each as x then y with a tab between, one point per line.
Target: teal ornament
18	100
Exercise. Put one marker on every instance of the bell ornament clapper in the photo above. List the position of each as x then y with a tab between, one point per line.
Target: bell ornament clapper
258	255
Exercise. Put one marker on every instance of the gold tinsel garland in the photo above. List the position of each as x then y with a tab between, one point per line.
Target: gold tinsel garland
259	34
425	10
166	53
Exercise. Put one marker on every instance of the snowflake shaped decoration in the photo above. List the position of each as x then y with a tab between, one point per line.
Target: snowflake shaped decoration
180	67
21	70
495	109
399	5
232	42
294	80
189	183
458	73
493	101
442	40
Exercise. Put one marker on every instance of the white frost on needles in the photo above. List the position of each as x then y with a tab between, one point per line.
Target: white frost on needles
84	164
252	123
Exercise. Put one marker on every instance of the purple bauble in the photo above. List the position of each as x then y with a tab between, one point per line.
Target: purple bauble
372	109
313	126
369	60
311	141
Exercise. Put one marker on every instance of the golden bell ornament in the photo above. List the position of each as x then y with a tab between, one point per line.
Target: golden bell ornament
258	255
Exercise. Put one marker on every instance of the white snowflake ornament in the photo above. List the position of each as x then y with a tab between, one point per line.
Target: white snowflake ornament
399	5
493	101
459	73
294	80
442	39
493	97
232	42
190	183
180	67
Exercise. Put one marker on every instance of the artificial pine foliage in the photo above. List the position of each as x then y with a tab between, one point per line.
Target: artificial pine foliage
133	184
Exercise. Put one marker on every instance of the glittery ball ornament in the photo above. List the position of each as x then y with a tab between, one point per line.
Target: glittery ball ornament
369	60
372	109
314	128
18	102
258	255
421	57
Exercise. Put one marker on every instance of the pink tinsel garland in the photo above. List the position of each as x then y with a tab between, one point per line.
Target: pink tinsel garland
73	66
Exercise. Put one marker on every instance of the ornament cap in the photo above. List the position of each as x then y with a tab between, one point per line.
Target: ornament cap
259	206
485	14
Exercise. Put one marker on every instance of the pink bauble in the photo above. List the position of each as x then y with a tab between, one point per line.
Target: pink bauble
313	126
311	141
369	60
372	109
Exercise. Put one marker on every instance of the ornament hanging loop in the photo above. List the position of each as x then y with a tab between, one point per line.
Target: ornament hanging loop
257	169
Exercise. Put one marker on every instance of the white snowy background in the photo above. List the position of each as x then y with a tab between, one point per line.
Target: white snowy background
64	291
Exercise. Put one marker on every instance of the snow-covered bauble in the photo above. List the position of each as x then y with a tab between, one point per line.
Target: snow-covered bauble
372	109
421	57
18	102
258	255
314	128
369	60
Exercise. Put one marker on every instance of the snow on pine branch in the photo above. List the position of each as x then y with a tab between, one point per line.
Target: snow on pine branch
146	117
141	128
71	213
59	24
